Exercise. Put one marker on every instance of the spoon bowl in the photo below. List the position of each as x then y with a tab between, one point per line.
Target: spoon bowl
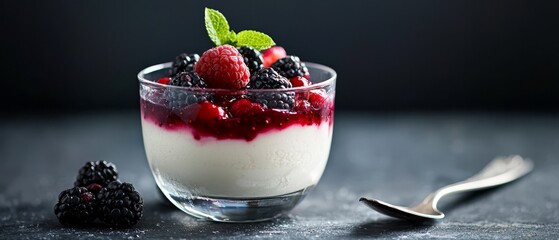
498	172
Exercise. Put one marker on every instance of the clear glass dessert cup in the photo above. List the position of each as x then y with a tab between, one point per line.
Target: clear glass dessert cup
249	163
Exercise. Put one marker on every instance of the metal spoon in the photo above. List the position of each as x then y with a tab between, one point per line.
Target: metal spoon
499	171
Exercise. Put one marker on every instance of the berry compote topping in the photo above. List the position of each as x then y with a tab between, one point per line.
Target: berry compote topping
208	120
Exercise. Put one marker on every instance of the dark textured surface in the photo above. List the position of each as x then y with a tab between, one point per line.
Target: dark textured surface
398	158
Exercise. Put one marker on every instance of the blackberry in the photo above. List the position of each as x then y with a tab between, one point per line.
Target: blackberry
94	188
268	78
100	172
291	66
252	58
76	207
178	99
184	63
121	205
284	100
187	79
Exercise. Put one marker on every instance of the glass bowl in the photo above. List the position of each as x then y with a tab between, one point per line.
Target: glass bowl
224	161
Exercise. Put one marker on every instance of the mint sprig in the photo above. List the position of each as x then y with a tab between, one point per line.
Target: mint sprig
217	26
220	34
254	39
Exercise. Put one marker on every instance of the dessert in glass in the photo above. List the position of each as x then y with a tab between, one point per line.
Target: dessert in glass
236	135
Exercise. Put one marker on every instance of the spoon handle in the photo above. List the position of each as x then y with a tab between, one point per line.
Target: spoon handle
497	172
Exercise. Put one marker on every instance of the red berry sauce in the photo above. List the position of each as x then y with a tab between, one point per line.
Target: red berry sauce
246	127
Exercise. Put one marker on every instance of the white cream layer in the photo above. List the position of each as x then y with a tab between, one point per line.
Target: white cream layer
274	163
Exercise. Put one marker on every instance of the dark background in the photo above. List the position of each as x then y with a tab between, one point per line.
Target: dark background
78	56
474	60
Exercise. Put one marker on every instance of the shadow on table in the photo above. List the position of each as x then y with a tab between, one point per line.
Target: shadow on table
203	229
388	227
164	220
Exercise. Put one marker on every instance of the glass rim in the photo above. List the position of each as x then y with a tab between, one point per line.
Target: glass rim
330	81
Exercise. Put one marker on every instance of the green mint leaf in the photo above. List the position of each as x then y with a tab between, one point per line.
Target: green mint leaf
231	38
254	39
217	26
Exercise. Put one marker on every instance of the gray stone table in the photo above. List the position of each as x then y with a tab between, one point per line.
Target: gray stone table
396	157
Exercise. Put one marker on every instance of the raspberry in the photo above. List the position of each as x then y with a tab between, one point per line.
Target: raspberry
271	55
223	67
299	81
164	80
243	107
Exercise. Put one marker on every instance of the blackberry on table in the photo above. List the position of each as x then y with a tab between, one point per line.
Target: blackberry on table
291	66
100	172
184	63
76	207
268	78
120	205
252	58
